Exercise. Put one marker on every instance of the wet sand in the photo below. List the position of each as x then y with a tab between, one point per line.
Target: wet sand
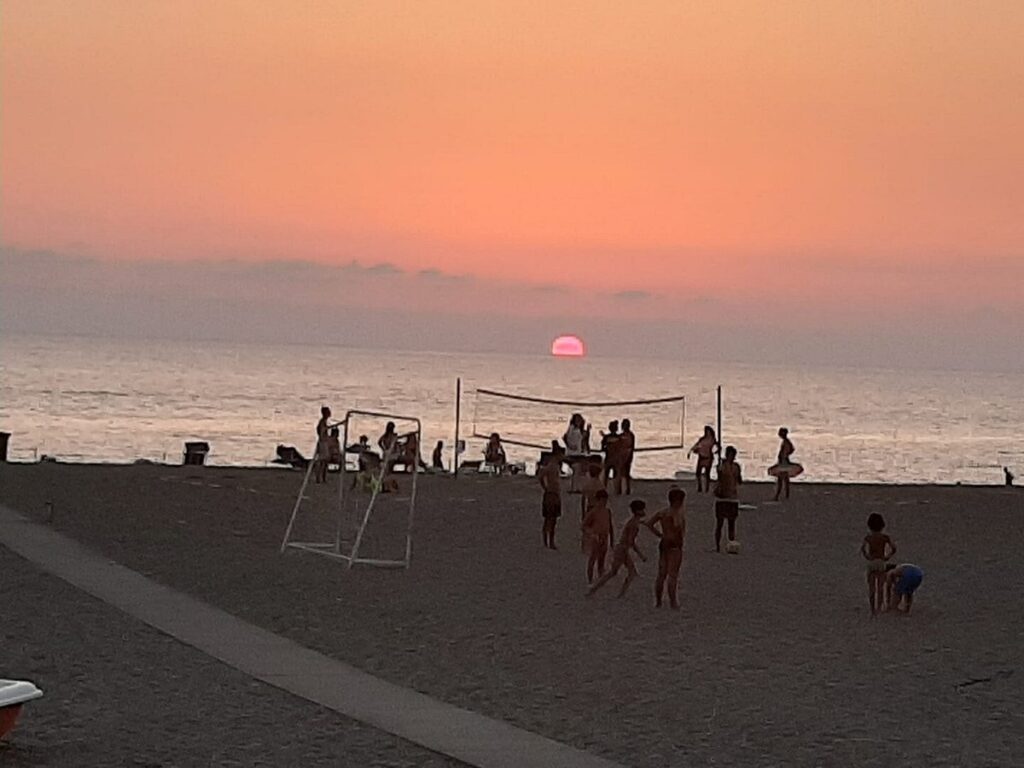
773	658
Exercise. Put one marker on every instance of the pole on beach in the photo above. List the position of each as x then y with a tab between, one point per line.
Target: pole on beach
458	410
719	399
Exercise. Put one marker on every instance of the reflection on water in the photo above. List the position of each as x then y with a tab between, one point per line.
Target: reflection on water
114	400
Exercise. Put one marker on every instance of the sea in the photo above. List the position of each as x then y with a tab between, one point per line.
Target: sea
85	399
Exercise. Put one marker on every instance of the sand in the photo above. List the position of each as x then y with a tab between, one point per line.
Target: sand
772	660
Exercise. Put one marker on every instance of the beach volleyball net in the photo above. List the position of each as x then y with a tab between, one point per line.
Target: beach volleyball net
363	514
528	424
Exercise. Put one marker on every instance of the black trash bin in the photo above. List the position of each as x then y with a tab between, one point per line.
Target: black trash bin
195	454
5	437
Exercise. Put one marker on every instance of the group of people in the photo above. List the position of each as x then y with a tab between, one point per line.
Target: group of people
783	470
394	449
890	585
618	447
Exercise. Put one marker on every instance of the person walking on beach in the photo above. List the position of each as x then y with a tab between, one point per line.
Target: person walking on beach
323	428
599	533
705	450
1007	477
785	469
877	549
901	582
437	460
622	554
727	496
550	478
669	525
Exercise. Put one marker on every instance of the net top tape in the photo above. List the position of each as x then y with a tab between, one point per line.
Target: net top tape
575	404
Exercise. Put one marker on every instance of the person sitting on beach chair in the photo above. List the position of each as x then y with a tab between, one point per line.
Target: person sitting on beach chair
494	454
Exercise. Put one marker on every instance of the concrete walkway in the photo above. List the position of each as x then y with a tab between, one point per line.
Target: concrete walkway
443	728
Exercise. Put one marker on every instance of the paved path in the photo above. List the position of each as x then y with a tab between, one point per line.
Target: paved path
443	728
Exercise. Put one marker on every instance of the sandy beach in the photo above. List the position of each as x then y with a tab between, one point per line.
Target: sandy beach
773	659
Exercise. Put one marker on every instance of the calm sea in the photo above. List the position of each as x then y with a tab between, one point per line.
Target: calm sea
89	400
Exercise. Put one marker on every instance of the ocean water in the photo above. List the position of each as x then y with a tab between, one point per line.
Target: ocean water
106	400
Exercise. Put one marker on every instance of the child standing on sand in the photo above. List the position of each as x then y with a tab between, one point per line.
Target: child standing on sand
591	485
672	525
550	478
622	554
877	549
598	531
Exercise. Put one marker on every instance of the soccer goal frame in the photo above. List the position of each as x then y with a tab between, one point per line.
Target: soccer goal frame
334	549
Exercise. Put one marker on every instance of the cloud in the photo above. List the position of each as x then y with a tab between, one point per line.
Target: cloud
633	295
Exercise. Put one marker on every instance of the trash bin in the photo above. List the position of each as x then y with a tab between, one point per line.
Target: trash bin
4	439
195	453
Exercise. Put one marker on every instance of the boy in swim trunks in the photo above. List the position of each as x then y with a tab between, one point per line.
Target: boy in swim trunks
877	549
622	554
550	478
597	528
591	486
901	582
727	496
671	529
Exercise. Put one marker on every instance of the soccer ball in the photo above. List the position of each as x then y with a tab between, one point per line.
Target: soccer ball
732	547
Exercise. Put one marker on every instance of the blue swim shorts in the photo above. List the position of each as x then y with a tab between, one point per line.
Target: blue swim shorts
910	580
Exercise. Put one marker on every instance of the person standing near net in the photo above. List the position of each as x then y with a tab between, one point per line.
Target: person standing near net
705	450
322	456
785	469
669	525
628	449
727	496
550	478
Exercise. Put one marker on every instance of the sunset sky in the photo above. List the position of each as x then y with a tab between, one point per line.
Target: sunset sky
836	164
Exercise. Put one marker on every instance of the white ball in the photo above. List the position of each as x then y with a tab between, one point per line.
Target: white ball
732	547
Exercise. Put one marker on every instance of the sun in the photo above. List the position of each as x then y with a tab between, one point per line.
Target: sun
568	346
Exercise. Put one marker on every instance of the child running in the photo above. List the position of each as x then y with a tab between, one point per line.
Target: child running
877	549
672	525
598	531
550	478
622	554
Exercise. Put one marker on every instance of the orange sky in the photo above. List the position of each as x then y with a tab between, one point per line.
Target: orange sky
674	147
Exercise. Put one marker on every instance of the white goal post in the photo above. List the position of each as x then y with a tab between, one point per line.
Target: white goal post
340	548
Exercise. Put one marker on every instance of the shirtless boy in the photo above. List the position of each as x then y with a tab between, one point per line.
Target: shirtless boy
877	549
591	486
550	478
622	554
727	496
669	525
598	530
